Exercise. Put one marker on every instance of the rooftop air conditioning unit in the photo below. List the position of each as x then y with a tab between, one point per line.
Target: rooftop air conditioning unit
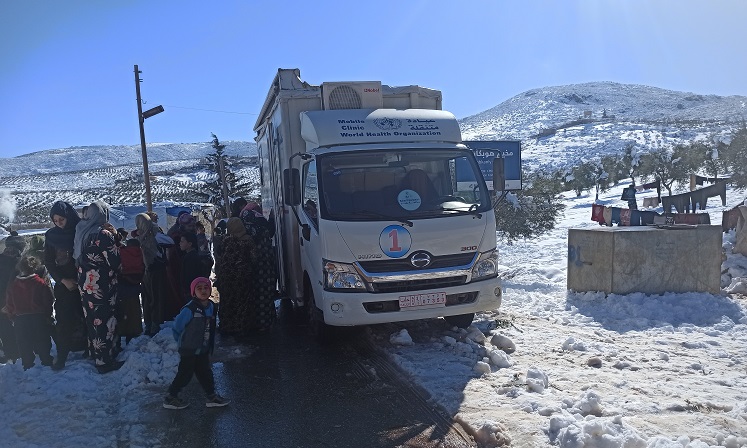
352	95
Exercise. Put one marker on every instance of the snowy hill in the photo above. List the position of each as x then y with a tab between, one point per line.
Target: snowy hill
79	158
558	126
562	125
29	184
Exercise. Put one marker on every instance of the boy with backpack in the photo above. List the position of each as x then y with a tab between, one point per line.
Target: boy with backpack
194	331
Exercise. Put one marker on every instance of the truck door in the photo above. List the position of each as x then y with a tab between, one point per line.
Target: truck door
311	256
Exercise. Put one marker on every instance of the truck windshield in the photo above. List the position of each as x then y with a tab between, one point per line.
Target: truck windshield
405	184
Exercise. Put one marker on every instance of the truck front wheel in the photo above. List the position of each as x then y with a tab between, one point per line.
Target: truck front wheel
317	328
460	320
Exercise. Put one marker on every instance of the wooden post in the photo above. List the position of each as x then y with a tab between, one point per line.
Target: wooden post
141	120
224	187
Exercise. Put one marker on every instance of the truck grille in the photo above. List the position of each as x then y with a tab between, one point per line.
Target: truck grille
404	265
417	284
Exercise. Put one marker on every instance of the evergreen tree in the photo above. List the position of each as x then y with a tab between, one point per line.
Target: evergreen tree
532	211
735	155
212	191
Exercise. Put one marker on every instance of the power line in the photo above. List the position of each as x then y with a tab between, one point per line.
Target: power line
211	110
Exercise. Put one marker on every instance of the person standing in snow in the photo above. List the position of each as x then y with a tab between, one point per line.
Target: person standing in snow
155	281
29	305
14	246
97	255
264	288
129	286
235	278
185	223
192	267
194	331
70	330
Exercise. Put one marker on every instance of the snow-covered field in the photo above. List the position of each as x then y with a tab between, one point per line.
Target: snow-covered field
587	370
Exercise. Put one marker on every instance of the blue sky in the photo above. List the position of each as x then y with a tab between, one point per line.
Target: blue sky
66	67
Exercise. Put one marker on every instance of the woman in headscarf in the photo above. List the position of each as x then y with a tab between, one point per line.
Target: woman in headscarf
70	328
185	223
264	286
155	282
97	254
236	315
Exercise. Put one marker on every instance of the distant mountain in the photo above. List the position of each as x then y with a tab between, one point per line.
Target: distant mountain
561	125
558	126
29	184
78	158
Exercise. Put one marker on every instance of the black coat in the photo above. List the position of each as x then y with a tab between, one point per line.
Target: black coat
192	267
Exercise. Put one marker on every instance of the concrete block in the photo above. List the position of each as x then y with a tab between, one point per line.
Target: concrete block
651	260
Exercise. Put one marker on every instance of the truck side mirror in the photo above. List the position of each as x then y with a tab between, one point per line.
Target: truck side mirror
499	174
291	186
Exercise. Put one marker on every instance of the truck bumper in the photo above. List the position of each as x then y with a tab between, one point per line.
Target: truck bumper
347	309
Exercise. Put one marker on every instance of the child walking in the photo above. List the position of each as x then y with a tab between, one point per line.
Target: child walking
29	306
194	331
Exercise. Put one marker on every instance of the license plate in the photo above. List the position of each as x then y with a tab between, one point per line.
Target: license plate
418	300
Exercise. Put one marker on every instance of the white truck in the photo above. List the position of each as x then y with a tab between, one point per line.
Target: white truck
381	213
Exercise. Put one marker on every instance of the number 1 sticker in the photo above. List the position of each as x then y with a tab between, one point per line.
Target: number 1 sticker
395	241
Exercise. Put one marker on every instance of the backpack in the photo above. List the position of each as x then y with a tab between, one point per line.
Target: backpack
132	260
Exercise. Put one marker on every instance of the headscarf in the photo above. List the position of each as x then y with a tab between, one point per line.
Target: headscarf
255	223
199	281
236	206
254	207
62	238
36	247
16	243
95	216
236	229
186	219
146	234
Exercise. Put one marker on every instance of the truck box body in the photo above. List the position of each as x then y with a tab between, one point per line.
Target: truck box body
380	246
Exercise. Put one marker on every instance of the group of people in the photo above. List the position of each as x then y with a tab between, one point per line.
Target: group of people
92	285
103	286
245	271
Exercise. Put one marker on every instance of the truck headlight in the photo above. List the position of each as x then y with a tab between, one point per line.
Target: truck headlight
486	265
341	276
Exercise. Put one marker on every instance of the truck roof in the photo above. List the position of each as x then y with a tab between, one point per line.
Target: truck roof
288	86
361	126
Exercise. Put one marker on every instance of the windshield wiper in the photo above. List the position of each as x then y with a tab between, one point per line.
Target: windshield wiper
471	211
370	213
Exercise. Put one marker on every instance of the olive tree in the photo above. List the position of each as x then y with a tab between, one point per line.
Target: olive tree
532	211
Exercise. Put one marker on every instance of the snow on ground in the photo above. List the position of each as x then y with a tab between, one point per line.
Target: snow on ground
43	408
550	368
555	368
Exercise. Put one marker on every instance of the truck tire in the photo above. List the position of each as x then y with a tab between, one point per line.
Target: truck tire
318	330
460	320
288	311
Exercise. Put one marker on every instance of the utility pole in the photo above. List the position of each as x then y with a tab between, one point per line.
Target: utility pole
141	120
224	187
